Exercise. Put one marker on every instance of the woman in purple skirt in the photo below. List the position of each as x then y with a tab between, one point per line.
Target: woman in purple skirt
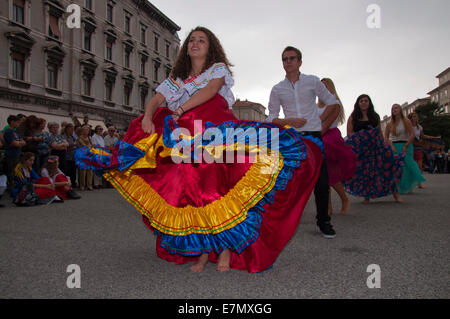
341	160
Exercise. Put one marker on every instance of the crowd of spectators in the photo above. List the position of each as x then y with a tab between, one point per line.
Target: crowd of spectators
37	164
438	161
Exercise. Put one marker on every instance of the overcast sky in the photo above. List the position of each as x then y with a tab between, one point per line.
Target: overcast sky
395	63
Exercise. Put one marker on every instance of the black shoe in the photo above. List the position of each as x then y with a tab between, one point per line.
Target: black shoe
327	230
72	195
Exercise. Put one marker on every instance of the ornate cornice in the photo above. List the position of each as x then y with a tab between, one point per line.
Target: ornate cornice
157	15
20	42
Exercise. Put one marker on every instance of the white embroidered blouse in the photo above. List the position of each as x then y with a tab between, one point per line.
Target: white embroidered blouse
177	92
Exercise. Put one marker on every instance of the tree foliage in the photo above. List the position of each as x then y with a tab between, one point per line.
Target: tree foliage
434	122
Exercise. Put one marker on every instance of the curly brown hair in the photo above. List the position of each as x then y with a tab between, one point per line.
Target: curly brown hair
216	54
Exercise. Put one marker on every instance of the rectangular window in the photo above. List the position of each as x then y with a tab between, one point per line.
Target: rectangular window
143	99
142	67
143	31
126	95
156	43
127	23
109	50
127	59
88	4
109	13
52	76
53	28
18	11
155	73
167	49
108	90
87	86
87	40
18	66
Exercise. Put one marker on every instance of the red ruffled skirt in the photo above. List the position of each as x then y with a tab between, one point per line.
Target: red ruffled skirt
341	160
251	207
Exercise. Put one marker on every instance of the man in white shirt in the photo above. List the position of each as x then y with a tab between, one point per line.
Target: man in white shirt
296	94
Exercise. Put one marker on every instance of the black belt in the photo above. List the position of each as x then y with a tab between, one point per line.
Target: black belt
313	133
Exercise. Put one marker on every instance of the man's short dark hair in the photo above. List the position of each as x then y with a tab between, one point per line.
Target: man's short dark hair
297	51
12	118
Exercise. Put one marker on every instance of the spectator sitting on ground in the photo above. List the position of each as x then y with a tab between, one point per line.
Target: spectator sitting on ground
51	174
29	189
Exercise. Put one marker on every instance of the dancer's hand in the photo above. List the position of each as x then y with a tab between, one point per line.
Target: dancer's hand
297	122
177	114
147	125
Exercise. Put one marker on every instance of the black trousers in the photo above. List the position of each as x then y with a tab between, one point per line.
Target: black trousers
321	189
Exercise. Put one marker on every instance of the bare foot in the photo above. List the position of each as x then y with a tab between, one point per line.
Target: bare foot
200	263
345	206
398	199
365	201
224	261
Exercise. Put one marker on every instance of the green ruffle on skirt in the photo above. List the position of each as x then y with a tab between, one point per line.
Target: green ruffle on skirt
412	176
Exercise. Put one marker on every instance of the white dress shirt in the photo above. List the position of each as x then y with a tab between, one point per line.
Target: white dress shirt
97	140
299	101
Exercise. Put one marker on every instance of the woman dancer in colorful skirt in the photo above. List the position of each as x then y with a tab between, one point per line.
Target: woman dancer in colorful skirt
176	165
378	168
341	160
400	134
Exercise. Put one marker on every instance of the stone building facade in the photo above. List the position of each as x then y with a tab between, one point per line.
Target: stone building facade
107	67
249	111
441	94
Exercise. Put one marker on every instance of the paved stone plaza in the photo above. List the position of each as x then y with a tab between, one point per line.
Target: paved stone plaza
115	252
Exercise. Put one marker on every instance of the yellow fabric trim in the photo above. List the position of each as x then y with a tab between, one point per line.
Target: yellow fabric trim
99	151
149	145
215	217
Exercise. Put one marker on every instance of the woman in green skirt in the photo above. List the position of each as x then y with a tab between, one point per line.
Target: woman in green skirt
400	134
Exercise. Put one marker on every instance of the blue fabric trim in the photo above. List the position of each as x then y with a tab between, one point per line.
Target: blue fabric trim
127	155
293	150
290	145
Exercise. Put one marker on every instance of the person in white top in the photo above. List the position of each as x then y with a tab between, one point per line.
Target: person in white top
97	137
110	139
418	141
297	94
97	140
400	134
341	160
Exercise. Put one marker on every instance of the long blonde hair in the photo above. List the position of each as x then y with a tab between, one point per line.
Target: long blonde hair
330	86
392	125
